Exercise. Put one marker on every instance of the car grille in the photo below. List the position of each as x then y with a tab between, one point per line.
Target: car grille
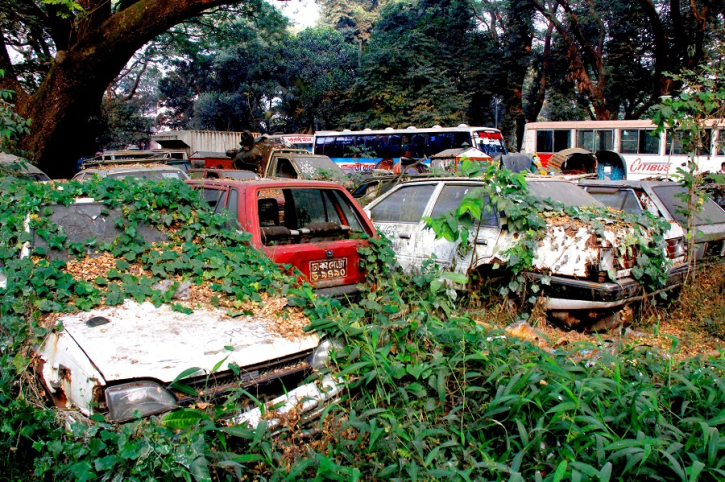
221	382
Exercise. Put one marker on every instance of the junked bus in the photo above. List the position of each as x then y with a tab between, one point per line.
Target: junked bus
644	155
367	149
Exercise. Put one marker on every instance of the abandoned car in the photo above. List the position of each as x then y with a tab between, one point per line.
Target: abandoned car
127	360
315	226
666	199
208	173
583	278
139	171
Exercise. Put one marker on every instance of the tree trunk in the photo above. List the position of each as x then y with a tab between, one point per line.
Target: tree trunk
71	93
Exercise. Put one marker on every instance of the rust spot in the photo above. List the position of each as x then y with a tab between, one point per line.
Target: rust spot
59	398
592	241
64	374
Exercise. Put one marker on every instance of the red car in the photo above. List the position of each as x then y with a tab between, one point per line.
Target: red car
315	226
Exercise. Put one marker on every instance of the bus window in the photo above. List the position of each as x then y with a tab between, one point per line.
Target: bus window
544	141
595	140
419	145
342	146
394	145
459	138
676	145
639	141
323	143
562	140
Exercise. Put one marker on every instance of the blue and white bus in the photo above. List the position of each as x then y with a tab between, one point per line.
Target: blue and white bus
382	149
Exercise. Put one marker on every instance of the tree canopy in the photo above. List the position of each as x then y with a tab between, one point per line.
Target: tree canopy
101	74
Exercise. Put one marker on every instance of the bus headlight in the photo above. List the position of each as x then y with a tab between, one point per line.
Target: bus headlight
146	397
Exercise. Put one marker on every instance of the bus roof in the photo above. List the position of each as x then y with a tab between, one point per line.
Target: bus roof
408	130
605	124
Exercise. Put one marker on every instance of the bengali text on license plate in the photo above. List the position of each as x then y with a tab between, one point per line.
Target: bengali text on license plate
328	269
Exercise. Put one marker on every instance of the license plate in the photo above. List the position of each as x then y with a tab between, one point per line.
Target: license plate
328	269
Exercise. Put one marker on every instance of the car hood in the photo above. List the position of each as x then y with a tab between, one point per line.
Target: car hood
135	341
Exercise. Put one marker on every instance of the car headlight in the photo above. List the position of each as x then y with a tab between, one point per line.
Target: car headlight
145	397
321	355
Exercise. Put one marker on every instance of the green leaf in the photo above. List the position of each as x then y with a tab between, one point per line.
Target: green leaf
183	418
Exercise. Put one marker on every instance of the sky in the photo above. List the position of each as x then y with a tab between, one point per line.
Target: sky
303	13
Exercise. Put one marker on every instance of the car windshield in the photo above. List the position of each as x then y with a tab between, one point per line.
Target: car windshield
672	197
150	174
315	167
562	192
83	222
622	199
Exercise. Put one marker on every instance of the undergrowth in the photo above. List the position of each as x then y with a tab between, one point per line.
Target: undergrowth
429	394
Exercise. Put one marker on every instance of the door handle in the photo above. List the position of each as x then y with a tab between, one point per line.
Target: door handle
404	235
482	241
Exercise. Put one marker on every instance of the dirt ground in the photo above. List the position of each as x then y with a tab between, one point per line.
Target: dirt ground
692	325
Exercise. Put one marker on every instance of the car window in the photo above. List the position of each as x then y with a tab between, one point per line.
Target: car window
562	192
406	205
81	222
622	199
301	215
710	212
285	169
313	206
215	198
151	174
450	198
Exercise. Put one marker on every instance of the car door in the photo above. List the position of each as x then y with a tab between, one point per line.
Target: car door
399	216
451	255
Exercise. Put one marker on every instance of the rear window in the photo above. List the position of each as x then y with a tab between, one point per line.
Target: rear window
562	192
299	215
151	174
672	198
622	199
406	205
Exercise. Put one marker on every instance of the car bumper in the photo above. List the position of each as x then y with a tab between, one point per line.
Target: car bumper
341	292
306	399
564	294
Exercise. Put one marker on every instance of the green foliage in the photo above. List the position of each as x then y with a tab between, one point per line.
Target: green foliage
12	126
689	119
429	393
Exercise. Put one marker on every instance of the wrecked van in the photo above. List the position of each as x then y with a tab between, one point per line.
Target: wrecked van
580	276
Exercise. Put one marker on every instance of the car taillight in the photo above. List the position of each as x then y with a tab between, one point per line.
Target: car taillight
676	247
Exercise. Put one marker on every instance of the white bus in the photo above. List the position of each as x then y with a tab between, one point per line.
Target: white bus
368	149
644	155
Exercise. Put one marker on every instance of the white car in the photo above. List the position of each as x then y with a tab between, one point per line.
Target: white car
664	198
135	359
581	275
